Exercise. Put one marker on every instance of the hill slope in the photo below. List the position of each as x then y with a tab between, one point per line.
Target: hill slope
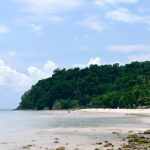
106	86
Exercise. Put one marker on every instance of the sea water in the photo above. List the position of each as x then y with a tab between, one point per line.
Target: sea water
19	126
23	120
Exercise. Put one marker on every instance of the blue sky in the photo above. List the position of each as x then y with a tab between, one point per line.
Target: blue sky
38	36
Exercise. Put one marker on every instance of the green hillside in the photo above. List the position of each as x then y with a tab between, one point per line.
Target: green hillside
105	86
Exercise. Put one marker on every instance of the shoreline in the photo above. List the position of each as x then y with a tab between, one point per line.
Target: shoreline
80	137
120	111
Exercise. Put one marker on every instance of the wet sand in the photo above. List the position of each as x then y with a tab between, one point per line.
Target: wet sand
71	138
75	138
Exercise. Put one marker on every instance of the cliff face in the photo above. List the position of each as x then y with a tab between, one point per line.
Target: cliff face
103	86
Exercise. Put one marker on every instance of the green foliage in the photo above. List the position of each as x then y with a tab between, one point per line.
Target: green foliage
65	104
106	86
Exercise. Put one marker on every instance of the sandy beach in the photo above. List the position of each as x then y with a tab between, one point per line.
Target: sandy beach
109	133
120	111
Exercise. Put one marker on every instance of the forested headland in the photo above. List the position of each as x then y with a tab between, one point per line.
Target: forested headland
104	86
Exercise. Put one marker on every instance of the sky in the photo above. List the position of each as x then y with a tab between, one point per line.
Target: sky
38	36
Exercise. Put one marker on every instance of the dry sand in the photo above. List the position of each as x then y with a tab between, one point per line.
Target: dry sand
120	111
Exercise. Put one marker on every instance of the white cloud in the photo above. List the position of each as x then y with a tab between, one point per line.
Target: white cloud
44	11
143	57
11	78
92	61
123	15
4	29
36	27
129	48
18	81
37	23
35	73
14	80
92	23
41	73
113	2
51	6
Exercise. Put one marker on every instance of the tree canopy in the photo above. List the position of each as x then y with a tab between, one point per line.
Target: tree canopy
105	86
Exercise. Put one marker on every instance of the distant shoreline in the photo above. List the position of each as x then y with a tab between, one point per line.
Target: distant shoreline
101	110
122	111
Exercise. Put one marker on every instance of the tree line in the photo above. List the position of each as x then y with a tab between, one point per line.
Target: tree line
104	86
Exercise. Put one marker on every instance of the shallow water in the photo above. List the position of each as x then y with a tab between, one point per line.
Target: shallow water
18	128
22	120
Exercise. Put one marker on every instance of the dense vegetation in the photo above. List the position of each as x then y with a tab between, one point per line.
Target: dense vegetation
105	86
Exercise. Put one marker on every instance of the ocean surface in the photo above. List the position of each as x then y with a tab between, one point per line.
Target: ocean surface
18	126
15	121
